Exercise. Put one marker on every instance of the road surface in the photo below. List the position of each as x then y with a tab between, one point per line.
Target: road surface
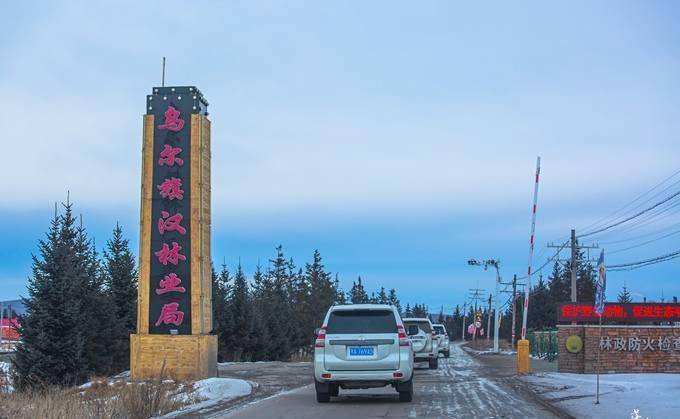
462	387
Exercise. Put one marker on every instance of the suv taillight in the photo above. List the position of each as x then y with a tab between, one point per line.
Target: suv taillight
403	337
321	338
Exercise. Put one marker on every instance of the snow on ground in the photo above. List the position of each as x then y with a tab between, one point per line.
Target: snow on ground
5	379
215	390
621	395
492	352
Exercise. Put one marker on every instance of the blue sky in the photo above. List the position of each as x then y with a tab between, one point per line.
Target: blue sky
397	138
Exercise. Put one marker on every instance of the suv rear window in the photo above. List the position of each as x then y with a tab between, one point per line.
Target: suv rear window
361	321
440	330
424	326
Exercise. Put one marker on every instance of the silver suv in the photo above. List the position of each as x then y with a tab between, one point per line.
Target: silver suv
362	346
424	340
443	338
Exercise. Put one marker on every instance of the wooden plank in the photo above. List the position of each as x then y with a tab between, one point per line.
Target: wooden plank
195	225
145	226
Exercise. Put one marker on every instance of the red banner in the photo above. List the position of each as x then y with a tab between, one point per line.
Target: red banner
622	312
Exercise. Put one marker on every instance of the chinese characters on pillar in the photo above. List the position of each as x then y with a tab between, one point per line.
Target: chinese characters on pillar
170	267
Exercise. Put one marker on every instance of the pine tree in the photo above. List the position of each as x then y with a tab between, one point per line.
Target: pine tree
323	291
393	300
542	310
357	294
420	310
408	312
260	347
51	350
559	285
97	321
240	341
440	318
625	296
222	316
120	279
382	296
587	280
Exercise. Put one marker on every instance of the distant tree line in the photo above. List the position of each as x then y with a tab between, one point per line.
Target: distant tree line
81	307
273	316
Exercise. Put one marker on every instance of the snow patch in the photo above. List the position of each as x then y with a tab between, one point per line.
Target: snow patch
652	395
5	377
214	390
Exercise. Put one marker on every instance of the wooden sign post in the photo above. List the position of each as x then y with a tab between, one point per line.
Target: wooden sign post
174	308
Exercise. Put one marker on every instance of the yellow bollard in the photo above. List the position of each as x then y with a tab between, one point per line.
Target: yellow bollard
523	364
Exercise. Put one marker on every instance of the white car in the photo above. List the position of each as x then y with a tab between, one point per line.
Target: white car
443	338
362	346
424	340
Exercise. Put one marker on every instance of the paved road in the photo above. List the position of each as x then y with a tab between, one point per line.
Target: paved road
462	387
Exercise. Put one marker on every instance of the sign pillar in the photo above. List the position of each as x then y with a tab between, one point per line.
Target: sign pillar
174	309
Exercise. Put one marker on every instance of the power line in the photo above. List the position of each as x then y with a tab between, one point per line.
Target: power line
613	216
618	223
654	217
644	243
641	236
646	262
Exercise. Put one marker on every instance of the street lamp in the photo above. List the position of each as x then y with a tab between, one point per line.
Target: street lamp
496	263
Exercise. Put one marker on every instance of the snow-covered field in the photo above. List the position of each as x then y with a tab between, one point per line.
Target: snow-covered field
215	390
621	395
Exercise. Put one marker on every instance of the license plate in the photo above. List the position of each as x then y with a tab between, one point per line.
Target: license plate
361	351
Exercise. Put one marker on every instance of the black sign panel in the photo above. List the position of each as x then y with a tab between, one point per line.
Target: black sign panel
170	259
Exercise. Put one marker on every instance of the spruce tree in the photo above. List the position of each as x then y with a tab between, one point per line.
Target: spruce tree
51	350
382	296
393	300
323	292
559	285
408	312
542	310
97	316
358	294
222	317
120	279
240	335
260	348
625	296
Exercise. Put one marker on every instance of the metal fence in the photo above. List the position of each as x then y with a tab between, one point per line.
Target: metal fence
543	344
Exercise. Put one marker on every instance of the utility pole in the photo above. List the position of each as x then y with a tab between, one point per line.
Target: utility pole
573	261
514	292
488	321
464	315
514	285
574	254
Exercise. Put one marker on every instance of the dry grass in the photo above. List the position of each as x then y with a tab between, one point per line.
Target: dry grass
119	399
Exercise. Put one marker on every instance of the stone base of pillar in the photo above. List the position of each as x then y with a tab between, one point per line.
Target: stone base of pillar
186	357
